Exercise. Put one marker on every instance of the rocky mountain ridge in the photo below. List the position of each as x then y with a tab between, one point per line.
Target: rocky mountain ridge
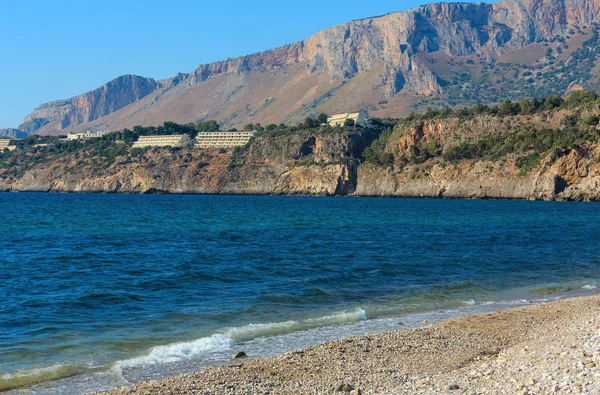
385	65
12	133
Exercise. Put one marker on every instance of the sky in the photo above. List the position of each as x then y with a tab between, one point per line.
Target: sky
52	50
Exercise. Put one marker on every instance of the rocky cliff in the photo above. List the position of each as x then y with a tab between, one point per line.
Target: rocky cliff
62	114
478	153
12	133
302	163
385	65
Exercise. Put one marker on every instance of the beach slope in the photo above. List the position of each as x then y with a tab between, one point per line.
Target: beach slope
550	348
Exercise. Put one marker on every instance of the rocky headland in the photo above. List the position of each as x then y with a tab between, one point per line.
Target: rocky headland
514	151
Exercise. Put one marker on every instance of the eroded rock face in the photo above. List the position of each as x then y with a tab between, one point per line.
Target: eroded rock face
457	29
390	42
274	164
111	97
12	133
309	163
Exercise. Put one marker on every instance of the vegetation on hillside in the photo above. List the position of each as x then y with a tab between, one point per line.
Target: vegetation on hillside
524	141
556	68
528	142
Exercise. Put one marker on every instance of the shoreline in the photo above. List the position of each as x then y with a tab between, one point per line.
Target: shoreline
168	193
546	348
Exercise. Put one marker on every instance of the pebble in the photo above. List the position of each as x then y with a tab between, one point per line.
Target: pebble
344	388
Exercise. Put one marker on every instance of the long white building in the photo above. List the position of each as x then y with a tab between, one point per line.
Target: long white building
359	118
170	140
223	139
86	135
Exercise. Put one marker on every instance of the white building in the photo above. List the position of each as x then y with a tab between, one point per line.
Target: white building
87	135
223	139
359	118
170	140
5	144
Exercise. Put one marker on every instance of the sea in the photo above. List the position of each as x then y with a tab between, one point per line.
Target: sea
105	290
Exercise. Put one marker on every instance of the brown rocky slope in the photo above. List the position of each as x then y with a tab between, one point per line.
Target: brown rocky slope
385	65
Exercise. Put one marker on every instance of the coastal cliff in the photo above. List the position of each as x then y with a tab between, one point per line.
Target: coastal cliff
449	53
305	163
540	150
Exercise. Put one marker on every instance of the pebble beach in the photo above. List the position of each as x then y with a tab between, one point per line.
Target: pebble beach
541	349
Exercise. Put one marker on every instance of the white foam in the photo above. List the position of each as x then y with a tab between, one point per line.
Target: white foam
337	319
178	351
590	286
253	331
469	302
229	337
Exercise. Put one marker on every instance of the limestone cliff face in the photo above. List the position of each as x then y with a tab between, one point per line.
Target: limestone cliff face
12	133
388	47
109	98
474	180
457	29
291	164
326	163
575	175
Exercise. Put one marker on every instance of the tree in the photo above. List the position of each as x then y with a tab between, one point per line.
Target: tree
526	106
349	122
249	127
506	107
322	118
309	123
208	126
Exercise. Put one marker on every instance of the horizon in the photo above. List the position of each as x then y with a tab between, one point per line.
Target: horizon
77	64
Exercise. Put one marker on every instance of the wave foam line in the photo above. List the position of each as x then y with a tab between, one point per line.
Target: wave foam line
177	352
593	285
222	341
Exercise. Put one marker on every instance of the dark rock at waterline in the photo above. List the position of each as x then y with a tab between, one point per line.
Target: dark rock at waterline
344	388
240	355
154	191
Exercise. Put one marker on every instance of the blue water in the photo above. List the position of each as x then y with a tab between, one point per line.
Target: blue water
104	290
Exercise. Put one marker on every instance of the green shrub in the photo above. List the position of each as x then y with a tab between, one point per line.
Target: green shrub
526	163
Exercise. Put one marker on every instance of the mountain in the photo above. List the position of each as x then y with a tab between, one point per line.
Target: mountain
12	133
83	109
441	54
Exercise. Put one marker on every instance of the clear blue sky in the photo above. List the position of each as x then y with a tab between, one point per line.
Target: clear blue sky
57	49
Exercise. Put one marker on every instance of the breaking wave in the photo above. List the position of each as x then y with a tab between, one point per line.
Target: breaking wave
28	377
177	351
231	336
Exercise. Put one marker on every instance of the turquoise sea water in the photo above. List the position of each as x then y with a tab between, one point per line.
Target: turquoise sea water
104	290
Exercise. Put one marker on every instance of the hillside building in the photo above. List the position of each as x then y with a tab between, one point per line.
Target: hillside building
170	140
87	135
223	139
359	118
5	144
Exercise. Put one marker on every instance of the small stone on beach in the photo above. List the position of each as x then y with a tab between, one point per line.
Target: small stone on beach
344	388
